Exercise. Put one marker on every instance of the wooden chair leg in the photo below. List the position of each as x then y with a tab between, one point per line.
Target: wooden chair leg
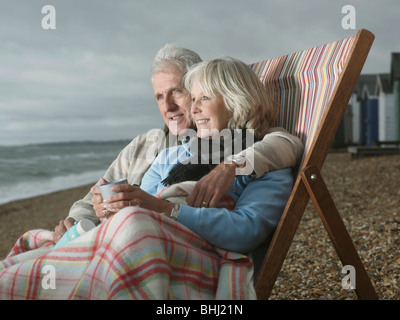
311	185
281	241
333	223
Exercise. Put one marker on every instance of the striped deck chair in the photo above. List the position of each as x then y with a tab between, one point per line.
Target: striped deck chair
313	88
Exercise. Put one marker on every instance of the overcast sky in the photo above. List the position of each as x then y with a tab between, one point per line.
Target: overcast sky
89	79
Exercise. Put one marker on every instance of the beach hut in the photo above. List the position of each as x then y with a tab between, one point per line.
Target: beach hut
375	111
364	122
395	82
387	121
369	113
354	114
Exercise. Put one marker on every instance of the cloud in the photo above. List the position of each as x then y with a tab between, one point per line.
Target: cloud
90	78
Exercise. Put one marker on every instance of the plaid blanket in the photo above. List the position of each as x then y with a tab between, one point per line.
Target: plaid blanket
136	254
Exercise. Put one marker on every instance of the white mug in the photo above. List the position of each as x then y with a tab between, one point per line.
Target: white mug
105	188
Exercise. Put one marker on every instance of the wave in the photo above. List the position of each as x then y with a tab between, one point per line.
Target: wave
24	190
32	170
58	157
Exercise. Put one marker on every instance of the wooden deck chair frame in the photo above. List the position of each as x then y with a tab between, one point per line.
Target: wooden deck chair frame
310	184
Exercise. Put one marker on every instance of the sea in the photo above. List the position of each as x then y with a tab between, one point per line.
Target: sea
37	169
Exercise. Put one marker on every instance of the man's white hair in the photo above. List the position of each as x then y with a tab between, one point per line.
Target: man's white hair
173	54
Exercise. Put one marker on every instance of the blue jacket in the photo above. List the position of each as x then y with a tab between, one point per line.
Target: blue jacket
259	206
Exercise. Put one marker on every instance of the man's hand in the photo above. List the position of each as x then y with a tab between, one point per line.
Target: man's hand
62	228
211	188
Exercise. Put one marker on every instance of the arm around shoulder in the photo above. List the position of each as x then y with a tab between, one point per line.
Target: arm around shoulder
277	150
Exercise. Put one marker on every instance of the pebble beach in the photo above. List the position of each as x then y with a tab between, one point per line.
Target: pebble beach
366	192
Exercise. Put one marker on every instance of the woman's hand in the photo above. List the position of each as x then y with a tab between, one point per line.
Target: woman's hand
62	228
129	195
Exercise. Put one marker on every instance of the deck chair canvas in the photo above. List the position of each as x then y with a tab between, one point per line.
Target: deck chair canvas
312	88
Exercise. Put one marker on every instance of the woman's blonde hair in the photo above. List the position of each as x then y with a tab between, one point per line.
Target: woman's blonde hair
243	93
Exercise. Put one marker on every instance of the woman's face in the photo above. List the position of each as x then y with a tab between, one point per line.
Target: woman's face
208	112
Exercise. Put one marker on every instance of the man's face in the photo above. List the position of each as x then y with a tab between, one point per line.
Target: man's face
173	100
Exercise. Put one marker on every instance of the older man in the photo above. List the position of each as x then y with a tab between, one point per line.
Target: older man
277	150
